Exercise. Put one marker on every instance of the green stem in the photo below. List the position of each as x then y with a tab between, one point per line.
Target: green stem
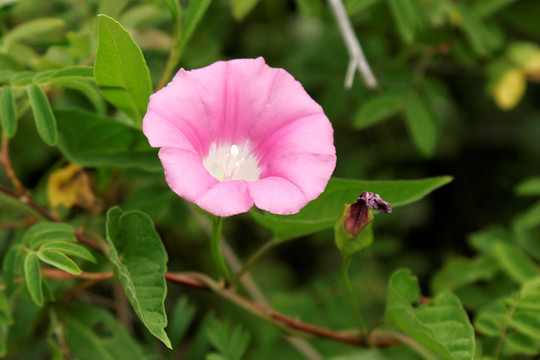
253	259
217	254
349	290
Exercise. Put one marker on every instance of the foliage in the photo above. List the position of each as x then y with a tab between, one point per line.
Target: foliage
101	260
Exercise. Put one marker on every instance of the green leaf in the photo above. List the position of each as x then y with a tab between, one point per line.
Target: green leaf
423	125
69	249
514	262
321	213
487	8
459	272
43	115
231	342
5	316
406	17
112	143
525	229
442	326
121	71
175	7
140	260
59	260
529	187
10	266
8	112
240	8
309	7
86	88
380	108
194	14
474	29
34	28
182	316
32	277
44	232
514	319
92	333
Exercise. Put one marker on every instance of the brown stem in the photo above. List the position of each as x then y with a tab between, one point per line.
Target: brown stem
6	163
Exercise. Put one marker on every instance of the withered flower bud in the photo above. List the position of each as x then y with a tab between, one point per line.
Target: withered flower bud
358	214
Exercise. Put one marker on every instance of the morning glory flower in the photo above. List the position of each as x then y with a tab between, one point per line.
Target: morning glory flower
239	133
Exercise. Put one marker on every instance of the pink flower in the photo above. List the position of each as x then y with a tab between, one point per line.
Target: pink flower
238	133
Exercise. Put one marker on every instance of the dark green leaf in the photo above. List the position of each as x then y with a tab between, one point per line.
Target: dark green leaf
44	232
474	29
8	112
59	261
442	326
309	7
322	213
112	143
5	316
423	125
380	108
194	14
32	277
23	78
93	333
121	70
43	115
487	8
140	260
175	7
69	249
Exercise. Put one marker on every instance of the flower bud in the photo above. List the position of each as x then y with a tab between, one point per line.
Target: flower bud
358	214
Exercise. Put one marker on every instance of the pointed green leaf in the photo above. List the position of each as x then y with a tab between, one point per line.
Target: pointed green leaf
8	112
140	260
423	125
322	213
380	108
86	88
529	187
406	17
181	319
241	8
34	28
92	333
514	262
474	29
194	15
230	342
111	144
10	266
32	277
43	115
69	249
459	272
121	71
44	232
441	326
59	261
514	319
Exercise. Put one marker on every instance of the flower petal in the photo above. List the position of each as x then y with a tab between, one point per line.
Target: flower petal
309	172
185	173
180	105
312	134
227	198
277	195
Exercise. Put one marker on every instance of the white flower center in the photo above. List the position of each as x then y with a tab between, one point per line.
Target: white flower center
231	162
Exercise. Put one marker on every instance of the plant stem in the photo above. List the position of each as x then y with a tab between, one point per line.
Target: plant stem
6	163
349	290
217	254
253	259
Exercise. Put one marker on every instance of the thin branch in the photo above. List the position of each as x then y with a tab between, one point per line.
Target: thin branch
357	57
6	163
